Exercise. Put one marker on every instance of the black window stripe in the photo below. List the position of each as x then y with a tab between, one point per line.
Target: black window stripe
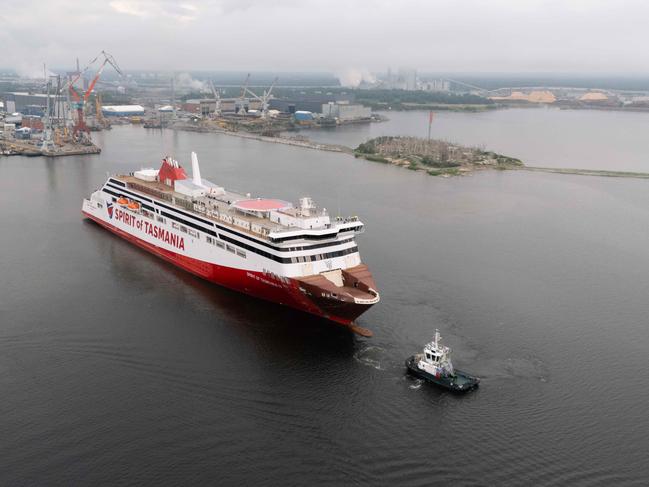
117	195
126	191
118	183
289	260
314	237
188	223
188	215
304	237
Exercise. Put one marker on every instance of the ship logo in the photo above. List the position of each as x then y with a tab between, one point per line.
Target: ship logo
109	207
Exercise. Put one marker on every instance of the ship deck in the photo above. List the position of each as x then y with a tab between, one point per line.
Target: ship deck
221	204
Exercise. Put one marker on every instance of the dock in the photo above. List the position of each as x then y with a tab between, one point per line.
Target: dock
24	148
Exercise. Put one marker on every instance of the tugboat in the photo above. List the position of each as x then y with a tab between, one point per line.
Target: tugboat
434	365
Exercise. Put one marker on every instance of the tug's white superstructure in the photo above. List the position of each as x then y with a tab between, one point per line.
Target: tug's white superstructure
436	359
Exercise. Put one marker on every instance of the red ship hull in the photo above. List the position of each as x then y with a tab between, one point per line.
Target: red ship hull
286	291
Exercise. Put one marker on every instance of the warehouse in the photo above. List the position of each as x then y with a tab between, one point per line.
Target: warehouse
346	112
32	103
122	110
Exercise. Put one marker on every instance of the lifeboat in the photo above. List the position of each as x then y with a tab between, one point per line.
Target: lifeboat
122	201
134	205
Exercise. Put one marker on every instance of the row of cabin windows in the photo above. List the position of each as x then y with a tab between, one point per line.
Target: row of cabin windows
432	357
184	229
221	245
214	241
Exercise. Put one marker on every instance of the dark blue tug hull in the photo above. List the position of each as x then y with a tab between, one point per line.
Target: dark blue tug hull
460	382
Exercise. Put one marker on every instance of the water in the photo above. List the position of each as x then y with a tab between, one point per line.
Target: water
547	137
116	367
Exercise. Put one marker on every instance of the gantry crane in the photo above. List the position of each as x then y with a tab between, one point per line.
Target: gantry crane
264	99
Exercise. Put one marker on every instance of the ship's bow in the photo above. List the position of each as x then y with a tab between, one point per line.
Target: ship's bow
341	295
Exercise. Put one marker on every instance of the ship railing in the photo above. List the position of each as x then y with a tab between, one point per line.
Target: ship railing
187	204
151	191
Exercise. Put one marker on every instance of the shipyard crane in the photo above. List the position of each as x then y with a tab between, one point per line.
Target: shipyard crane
242	103
217	97
264	98
80	126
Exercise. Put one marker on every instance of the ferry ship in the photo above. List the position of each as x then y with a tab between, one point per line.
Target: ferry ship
295	255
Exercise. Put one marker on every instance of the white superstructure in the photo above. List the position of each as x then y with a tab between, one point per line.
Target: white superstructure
200	224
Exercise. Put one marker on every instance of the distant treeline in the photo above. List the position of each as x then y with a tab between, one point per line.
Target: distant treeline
397	98
374	98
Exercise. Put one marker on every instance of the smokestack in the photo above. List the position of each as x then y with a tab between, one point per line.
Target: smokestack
196	172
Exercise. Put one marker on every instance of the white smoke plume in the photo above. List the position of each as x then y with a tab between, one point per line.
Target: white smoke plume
184	80
352	77
32	70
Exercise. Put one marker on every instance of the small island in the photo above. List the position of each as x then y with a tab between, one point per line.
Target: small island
435	157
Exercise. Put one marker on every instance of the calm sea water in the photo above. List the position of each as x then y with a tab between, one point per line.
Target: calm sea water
117	368
547	137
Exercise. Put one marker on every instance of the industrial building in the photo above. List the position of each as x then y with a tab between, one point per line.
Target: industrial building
405	79
308	102
436	85
122	110
207	106
345	112
199	106
33	103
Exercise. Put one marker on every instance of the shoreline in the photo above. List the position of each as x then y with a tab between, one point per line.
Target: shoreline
308	144
304	143
586	172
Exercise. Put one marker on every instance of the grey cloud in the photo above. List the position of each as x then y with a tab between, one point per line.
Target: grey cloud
335	35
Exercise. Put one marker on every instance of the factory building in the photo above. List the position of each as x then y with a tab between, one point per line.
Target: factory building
207	106
345	112
308	102
203	106
122	110
33	103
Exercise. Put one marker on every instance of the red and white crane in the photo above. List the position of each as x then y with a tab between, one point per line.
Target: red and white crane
78	100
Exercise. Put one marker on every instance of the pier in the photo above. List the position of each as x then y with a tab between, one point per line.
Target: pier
20	148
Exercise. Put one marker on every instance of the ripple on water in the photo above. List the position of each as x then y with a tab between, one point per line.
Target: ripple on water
372	356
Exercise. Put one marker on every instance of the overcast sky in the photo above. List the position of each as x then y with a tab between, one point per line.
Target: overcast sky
569	36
